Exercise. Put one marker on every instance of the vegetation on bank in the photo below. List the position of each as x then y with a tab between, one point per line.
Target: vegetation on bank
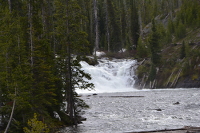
179	42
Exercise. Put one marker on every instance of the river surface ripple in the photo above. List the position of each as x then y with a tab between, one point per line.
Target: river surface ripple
155	109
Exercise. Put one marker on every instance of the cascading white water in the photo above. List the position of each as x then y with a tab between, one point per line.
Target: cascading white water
111	75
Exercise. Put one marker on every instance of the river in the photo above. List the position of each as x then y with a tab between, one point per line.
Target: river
140	110
119	107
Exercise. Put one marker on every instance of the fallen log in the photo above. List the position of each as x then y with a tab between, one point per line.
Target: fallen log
125	96
186	129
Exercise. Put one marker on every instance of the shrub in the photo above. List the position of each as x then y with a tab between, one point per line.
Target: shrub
36	126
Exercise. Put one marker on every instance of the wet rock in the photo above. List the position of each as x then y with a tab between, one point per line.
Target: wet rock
174	117
158	109
80	119
176	103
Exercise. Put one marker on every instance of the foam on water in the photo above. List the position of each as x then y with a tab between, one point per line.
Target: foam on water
111	75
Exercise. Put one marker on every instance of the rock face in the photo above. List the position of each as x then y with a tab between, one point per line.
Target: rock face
188	83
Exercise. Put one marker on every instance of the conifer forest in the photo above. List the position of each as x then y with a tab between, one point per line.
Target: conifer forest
43	41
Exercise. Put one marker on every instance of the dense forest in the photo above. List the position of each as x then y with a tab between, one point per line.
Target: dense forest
43	41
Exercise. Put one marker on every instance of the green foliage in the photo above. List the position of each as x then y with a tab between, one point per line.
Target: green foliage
30	37
180	31
170	26
142	50
189	13
154	45
71	41
135	27
164	36
36	126
115	41
152	73
141	71
195	76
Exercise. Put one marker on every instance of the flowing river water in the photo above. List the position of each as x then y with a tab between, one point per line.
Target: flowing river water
117	107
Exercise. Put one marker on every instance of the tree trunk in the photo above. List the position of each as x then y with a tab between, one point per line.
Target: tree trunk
169	79
96	26
30	31
12	112
70	91
10	7
107	26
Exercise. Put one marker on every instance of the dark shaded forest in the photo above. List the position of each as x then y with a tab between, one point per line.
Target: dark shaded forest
43	41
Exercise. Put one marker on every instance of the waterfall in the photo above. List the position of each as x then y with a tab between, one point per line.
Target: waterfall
117	75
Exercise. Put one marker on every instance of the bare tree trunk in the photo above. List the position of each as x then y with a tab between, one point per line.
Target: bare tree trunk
11	115
125	5
18	41
179	3
176	78
10	7
96	26
153	84
70	90
44	16
169	78
150	85
31	30
90	21
107	25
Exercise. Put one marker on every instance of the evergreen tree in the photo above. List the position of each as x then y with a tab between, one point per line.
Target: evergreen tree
154	45
183	52
170	26
180	31
30	74
142	50
16	76
71	40
152	73
123	26
135	27
115	41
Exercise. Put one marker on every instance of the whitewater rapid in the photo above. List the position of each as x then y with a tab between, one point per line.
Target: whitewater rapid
117	75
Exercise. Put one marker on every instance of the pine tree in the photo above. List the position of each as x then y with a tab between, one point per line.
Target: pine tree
16	75
115	41
180	31
154	45
28	69
135	28
152	73
71	40
183	52
142	50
